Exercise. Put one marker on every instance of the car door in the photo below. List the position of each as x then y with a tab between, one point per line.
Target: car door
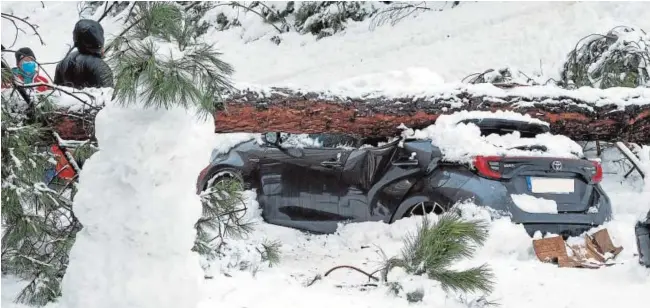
301	187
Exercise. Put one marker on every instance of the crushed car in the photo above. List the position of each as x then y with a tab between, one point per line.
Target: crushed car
485	157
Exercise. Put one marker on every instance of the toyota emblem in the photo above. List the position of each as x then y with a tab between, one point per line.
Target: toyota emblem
556	165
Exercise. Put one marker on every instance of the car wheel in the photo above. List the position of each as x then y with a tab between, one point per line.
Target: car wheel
223	176
424	208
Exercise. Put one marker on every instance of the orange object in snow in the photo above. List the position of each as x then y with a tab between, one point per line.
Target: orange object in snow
63	168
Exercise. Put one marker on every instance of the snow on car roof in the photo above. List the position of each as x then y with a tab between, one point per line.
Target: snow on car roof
461	142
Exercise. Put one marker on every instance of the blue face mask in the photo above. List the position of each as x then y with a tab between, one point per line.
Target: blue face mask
28	68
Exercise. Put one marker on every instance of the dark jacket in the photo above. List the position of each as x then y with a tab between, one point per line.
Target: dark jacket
84	68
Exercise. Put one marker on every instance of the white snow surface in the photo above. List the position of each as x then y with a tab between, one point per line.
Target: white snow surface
433	47
138	206
532	204
462	142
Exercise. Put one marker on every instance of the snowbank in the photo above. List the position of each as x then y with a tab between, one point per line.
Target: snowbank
521	279
138	206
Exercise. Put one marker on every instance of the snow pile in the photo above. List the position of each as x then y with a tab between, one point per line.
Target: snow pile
138	205
508	251
460	142
533	204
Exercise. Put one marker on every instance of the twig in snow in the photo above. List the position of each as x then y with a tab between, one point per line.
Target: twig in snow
352	268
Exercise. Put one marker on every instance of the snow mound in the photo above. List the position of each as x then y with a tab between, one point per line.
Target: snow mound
138	206
460	142
532	204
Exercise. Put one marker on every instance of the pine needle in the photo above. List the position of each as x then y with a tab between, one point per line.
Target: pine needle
434	247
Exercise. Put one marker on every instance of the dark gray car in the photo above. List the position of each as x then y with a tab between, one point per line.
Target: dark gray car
316	188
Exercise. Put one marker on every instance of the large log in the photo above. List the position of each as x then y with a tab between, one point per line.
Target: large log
583	114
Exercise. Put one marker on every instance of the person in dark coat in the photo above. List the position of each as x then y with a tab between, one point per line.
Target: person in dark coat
84	68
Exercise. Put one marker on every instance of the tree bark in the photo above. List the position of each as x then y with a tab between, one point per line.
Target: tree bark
292	111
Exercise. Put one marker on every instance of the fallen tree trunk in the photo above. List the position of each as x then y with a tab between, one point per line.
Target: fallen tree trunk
285	110
583	115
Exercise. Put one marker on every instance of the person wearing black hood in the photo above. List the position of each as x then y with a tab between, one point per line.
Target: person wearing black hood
84	68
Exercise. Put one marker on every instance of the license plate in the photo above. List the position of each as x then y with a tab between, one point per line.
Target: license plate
550	185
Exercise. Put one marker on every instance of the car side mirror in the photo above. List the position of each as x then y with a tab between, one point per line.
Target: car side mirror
271	138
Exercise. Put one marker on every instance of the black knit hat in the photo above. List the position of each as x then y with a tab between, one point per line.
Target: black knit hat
24	52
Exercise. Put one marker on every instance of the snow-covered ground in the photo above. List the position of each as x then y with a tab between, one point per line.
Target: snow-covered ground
241	279
413	55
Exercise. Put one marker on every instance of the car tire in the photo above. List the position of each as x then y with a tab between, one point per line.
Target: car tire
223	174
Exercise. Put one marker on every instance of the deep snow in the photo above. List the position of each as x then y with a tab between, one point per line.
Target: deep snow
138	206
416	55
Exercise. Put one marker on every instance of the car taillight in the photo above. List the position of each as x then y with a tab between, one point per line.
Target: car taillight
598	172
488	166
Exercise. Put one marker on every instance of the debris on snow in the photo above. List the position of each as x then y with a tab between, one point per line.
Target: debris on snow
594	251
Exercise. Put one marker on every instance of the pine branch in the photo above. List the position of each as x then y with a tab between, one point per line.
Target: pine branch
477	278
